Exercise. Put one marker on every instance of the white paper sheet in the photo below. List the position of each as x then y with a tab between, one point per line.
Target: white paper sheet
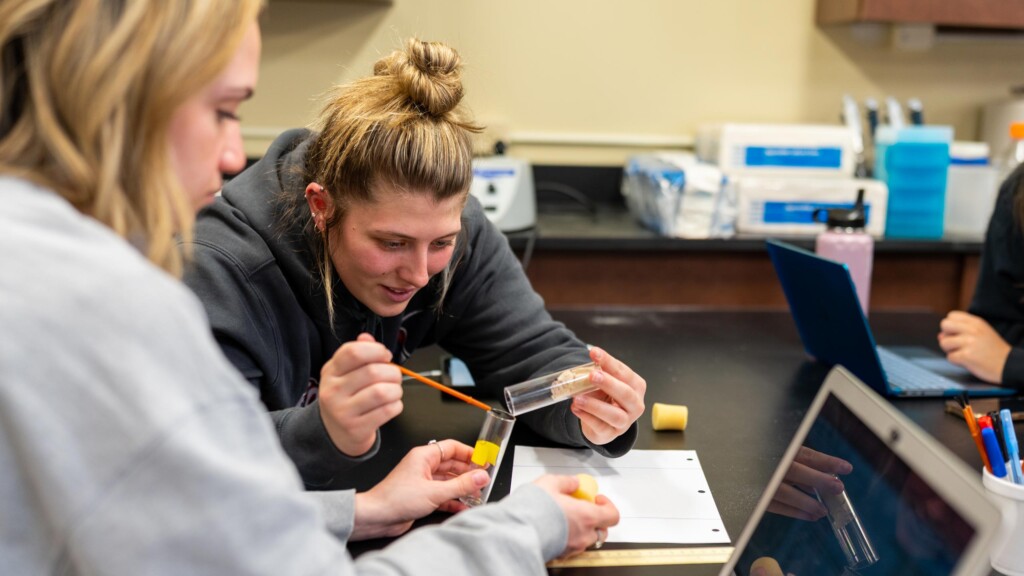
662	495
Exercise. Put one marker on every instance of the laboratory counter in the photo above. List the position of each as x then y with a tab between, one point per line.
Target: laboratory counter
602	256
742	373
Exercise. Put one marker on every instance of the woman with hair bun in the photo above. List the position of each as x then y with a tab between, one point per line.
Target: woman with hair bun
352	245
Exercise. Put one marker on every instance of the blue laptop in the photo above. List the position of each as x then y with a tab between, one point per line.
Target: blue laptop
834	330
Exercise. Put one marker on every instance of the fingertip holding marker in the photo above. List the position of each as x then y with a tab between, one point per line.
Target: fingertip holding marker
669	416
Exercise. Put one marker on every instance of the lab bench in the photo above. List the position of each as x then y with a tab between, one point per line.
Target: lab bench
602	256
706	360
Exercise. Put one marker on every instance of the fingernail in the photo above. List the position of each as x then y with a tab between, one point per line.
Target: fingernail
759	571
596	376
580	401
596	354
480	478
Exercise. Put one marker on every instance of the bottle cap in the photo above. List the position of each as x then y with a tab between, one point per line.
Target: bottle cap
1017	130
853	217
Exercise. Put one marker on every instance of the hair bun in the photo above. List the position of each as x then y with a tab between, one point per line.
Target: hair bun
430	73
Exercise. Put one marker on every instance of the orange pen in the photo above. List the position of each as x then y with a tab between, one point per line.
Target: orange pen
972	425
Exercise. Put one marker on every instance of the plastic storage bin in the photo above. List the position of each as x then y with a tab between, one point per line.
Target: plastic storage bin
914	162
971	189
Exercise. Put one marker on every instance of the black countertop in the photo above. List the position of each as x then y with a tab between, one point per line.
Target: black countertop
608	226
743	374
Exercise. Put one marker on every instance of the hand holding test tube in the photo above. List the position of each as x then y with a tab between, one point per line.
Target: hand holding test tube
811	472
489	450
546	390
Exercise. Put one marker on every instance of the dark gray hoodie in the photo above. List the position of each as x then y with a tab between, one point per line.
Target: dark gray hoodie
254	272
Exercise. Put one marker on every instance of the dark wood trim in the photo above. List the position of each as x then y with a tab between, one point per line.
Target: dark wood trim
937	282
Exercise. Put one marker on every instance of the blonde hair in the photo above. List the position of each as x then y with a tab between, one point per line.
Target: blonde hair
87	91
401	127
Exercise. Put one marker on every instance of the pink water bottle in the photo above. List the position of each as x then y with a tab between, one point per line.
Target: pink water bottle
845	240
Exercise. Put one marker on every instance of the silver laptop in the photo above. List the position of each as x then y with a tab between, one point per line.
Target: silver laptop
901	503
834	330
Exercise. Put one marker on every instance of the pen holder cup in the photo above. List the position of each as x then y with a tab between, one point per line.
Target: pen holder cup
1007	552
489	450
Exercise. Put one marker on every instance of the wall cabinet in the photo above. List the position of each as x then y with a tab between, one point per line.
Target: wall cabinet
954	13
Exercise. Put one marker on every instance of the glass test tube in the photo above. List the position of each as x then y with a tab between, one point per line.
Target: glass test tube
548	389
848	530
489	450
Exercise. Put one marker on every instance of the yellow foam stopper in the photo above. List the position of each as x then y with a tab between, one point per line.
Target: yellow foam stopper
485	453
669	416
587	489
768	564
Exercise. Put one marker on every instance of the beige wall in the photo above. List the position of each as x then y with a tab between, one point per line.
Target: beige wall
604	70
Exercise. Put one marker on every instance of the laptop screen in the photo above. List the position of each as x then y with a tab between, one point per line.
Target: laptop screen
849	503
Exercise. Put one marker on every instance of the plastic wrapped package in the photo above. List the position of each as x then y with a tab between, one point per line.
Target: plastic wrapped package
675	195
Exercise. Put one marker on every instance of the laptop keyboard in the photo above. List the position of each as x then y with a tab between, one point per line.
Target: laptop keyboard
904	374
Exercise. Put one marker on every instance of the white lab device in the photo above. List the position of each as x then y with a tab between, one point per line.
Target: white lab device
504	187
779	150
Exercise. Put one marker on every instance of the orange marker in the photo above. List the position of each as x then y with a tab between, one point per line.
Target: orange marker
972	425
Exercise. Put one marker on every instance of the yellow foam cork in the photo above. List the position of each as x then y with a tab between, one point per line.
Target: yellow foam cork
588	488
669	416
769	566
485	453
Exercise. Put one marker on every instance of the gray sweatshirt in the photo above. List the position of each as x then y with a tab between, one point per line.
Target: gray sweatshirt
255	274
129	445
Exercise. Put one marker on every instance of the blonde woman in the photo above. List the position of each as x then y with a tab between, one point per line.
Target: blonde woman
351	246
128	444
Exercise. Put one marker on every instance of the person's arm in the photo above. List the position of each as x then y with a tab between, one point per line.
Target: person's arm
999	291
494	320
970	342
474	542
1013	370
215	496
260	327
200	486
305	439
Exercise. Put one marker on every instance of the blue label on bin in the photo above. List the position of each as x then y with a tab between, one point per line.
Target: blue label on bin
802	212
968	161
494	172
794	156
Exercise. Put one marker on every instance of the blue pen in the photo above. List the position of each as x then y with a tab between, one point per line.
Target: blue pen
1012	451
995	457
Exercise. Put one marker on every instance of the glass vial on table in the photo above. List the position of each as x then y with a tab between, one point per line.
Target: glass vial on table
548	389
489	450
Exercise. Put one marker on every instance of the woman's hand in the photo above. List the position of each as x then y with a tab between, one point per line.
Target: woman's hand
811	470
970	341
607	412
588	521
359	391
429	478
